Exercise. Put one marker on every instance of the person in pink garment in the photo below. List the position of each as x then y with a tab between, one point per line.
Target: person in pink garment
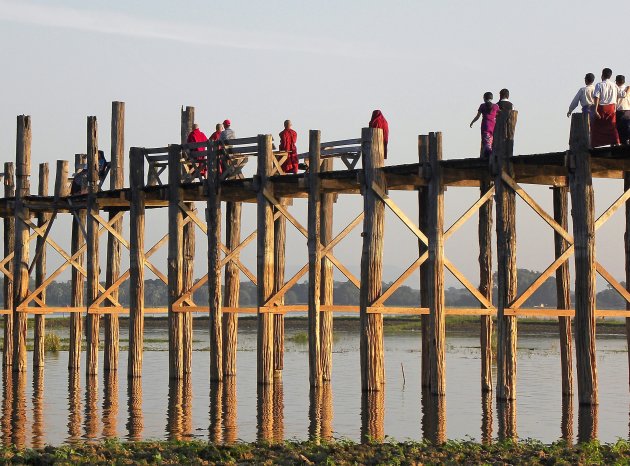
196	135
489	111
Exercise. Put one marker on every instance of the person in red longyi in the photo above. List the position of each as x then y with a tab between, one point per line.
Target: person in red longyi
217	134
288	138
379	121
604	124
196	135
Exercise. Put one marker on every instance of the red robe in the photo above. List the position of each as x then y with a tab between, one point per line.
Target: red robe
379	121
288	138
215	136
604	128
197	135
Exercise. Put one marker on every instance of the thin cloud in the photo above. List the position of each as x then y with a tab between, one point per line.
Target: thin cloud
107	22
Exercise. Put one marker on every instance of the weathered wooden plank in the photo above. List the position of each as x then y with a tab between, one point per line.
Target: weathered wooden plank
327	280
9	245
77	249
314	261
485	277
40	272
232	284
280	236
423	222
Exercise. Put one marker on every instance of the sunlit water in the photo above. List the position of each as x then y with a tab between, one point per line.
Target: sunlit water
52	408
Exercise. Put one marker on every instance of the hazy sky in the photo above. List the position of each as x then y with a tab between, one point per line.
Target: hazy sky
326	65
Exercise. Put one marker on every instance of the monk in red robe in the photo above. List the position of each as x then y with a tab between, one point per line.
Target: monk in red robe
288	138
196	135
379	121
215	137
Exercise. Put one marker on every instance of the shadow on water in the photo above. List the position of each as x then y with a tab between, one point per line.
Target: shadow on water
135	419
433	417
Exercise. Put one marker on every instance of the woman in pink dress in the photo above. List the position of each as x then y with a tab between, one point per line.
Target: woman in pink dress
489	112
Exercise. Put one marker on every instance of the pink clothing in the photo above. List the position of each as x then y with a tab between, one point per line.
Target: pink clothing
489	113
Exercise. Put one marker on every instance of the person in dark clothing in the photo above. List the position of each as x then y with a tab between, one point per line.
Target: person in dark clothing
504	100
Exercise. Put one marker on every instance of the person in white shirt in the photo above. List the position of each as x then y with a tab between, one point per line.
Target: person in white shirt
584	96
604	125
623	109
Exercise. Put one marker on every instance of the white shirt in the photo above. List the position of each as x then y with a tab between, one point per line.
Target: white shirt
623	102
584	97
607	92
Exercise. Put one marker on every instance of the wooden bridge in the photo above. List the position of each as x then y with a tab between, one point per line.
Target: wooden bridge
170	177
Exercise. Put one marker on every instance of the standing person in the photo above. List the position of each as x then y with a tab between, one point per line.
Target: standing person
584	96
217	134
196	135
623	109
489	112
379	121
288	138
504	100
604	125
227	133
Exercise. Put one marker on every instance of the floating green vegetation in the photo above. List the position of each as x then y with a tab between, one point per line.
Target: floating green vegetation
300	338
52	343
333	453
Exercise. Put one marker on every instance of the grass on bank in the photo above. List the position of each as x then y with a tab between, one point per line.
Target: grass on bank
334	453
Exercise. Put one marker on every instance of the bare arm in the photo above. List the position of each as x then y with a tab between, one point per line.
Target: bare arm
475	119
595	105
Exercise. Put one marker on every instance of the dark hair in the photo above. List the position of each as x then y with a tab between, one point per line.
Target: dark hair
589	78
620	78
487	97
504	94
606	73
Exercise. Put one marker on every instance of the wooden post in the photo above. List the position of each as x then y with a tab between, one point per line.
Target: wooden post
92	320
435	279
423	211
40	272
327	278
485	281
175	264
265	265
136	263
232	288
371	344
279	249
20	263
582	209
563	288
9	244
116	181
314	261
187	122
213	221
76	297
506	256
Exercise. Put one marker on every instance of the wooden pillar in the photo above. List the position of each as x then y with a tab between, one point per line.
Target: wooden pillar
582	209
20	263
175	264
187	122
506	257
485	281
136	263
265	262
116	181
423	211
563	288
327	279
9	244
371	343
40	271
92	320
77	280
314	261
213	221
626	241
232	288
279	249
435	279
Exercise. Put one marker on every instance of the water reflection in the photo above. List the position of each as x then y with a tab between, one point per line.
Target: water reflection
135	420
278	409
486	417
230	411
433	417
566	427
179	413
320	413
74	406
110	404
38	407
264	411
373	416
18	416
216	412
91	407
587	423
506	412
7	403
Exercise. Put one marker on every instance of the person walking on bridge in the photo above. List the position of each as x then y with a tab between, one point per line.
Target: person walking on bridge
196	135
504	100
584	96
489	112
288	138
379	121
623	109
604	125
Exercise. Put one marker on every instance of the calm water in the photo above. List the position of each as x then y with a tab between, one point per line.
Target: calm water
49	407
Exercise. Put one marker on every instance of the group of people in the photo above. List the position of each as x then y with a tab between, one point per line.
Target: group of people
489	111
288	141
608	105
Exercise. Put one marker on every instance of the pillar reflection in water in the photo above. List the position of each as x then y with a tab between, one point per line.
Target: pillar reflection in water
486	417
230	410
433	417
372	416
320	413
187	395
74	405
278	408
110	404
38	407
587	423
567	419
7	405
179	413
216	412
135	419
18	417
91	407
264	409
506	413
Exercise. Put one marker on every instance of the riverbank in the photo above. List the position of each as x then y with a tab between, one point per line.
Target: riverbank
309	453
